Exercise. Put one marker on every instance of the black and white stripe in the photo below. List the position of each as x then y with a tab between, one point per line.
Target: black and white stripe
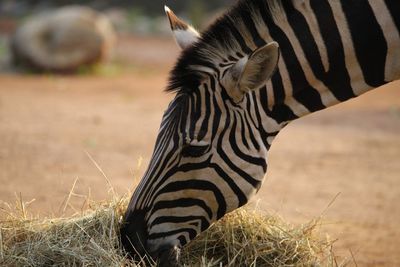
211	152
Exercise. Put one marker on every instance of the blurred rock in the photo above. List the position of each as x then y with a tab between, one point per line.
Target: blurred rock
63	40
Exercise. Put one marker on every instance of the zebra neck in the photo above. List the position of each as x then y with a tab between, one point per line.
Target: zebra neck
331	51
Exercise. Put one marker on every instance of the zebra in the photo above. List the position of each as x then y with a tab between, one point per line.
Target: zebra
261	65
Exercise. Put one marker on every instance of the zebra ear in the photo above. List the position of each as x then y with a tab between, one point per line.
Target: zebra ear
252	72
185	35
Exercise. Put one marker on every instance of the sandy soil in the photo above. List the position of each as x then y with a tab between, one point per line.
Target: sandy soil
348	153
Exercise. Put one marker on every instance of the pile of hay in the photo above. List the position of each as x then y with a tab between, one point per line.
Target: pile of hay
242	238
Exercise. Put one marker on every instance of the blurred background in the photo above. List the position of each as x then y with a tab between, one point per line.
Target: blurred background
83	90
139	18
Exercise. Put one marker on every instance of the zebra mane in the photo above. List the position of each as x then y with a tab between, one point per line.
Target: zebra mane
221	43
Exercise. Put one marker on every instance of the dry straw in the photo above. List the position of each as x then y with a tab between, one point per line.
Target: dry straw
242	238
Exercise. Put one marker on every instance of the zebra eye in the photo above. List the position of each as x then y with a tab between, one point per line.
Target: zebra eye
194	151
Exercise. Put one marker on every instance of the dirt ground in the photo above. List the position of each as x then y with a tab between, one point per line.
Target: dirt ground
342	163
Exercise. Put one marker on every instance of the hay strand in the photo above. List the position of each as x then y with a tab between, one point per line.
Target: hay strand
110	186
66	203
1	246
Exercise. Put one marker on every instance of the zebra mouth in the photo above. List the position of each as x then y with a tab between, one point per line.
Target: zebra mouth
133	234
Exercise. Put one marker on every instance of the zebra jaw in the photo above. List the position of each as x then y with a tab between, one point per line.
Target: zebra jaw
185	35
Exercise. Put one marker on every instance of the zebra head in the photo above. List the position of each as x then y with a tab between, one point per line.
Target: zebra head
209	157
